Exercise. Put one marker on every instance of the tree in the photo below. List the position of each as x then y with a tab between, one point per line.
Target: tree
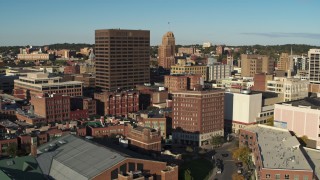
236	176
242	154
217	140
12	150
304	140
187	175
270	121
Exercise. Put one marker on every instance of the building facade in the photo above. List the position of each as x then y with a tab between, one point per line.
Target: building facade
197	116
285	62
167	50
117	103
290	88
301	117
252	64
183	68
218	71
53	107
40	83
122	58
182	82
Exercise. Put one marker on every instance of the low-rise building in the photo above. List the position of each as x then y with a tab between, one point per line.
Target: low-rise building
179	82
39	83
88	160
117	103
218	71
185	68
276	153
291	88
248	107
301	117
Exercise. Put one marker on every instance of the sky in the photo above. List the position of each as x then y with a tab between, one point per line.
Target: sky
230	22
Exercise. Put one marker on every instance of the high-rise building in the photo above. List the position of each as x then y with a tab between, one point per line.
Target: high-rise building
314	65
122	58
166	51
197	116
314	70
252	64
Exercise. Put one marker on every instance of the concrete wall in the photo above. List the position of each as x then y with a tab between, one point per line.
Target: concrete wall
301	120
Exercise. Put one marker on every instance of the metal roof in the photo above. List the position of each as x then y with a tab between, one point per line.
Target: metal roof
71	157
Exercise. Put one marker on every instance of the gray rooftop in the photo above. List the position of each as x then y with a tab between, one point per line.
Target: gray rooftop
313	103
279	149
75	158
314	157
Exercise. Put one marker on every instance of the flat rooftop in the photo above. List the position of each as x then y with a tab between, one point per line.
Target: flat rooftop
279	149
314	157
313	103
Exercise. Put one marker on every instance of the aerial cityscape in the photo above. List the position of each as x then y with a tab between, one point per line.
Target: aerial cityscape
160	90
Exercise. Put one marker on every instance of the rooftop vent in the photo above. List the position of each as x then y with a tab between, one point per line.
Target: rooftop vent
10	162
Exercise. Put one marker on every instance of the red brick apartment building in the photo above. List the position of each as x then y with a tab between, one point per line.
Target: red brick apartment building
197	116
53	107
181	82
276	153
117	103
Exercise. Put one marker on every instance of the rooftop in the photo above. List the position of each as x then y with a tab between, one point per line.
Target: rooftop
313	103
279	149
71	157
25	167
314	157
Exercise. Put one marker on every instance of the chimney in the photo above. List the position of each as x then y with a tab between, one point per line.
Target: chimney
34	146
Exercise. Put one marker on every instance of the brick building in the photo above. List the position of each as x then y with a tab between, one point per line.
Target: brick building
74	69
117	103
260	81
53	107
276	154
197	116
103	163
83	103
144	138
182	82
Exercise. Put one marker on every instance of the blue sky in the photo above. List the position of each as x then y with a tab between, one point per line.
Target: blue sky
231	22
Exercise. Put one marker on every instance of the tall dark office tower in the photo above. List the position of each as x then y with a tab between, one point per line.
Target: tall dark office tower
122	58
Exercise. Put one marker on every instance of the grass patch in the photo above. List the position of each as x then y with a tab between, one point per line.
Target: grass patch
198	168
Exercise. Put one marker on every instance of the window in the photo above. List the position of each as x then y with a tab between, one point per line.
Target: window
286	176
140	167
305	177
268	176
277	176
296	177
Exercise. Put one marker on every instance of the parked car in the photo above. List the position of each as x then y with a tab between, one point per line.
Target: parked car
239	171
239	164
225	155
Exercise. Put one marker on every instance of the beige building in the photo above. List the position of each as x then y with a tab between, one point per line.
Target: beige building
187	50
122	58
39	83
284	63
252	64
290	88
35	57
166	51
185	68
